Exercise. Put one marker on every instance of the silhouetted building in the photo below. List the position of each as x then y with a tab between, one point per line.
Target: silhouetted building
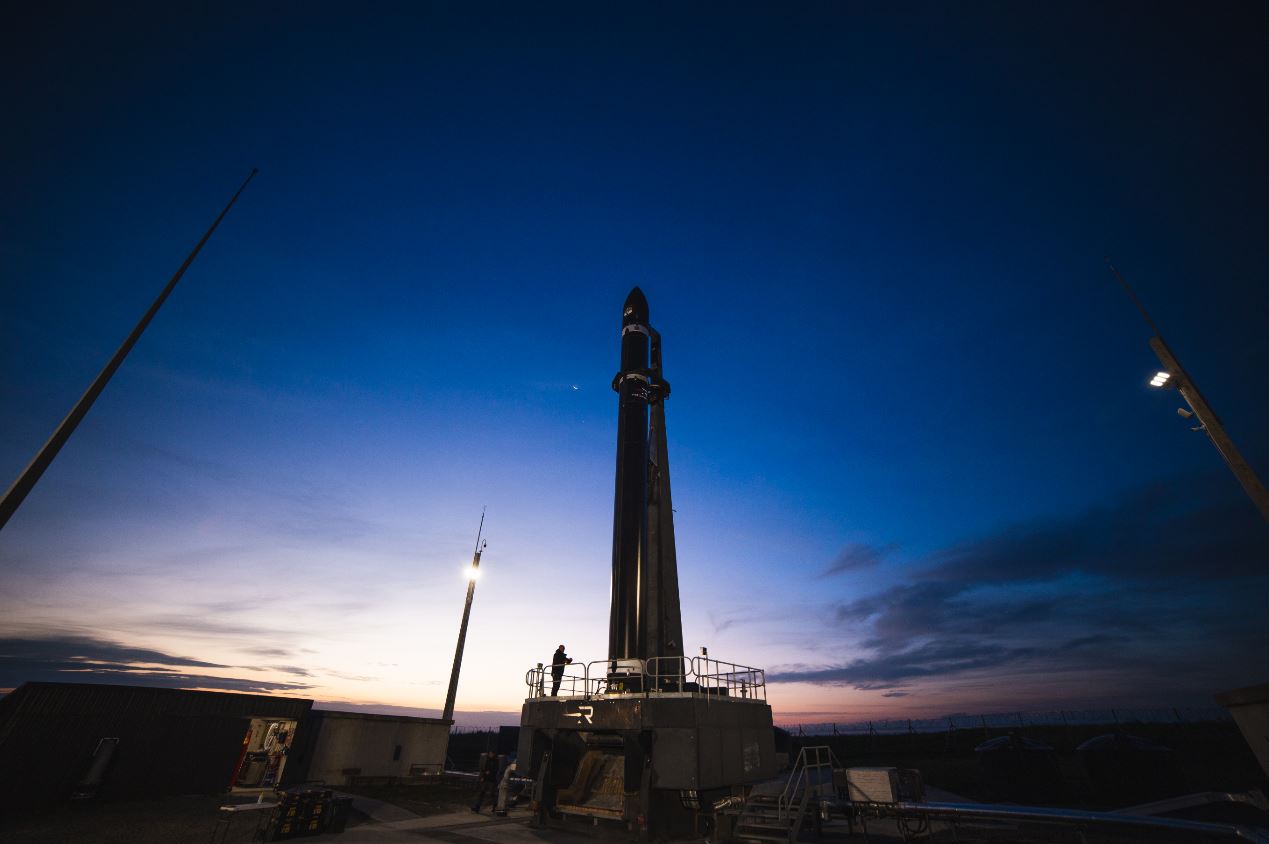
64	740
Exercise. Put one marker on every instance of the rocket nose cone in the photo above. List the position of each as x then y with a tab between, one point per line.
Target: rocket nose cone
636	308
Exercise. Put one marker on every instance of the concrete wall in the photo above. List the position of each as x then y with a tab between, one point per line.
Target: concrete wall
352	744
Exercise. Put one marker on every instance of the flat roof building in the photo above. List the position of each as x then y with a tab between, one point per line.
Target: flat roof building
59	740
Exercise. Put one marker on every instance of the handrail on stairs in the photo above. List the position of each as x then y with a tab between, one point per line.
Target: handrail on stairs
810	760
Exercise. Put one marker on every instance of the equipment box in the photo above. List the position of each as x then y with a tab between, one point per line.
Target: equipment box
872	785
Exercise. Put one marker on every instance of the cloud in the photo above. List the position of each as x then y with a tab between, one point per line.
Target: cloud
270	652
725	620
890	670
291	669
857	555
1156	591
1097	640
84	659
86	650
354	678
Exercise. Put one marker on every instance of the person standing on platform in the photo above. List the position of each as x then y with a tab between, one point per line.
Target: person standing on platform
557	669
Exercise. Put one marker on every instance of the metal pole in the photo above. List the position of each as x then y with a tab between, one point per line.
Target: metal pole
1210	423
448	714
1212	426
26	481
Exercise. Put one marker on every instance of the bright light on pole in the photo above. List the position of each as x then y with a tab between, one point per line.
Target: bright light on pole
1208	422
471	573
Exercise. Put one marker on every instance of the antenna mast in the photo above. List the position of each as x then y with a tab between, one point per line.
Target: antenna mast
27	480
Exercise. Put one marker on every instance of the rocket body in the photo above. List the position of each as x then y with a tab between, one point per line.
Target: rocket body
645	620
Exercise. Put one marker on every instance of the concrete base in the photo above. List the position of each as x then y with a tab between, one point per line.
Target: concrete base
655	762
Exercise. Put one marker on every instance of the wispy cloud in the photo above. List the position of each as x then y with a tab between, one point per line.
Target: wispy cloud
886	671
856	556
291	669
1157	585
84	659
267	652
86	650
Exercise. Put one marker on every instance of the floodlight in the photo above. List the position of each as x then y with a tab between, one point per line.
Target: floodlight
472	573
1160	378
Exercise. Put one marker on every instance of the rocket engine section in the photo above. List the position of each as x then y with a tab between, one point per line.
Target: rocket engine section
646	736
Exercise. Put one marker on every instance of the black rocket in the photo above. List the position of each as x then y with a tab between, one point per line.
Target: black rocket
645	622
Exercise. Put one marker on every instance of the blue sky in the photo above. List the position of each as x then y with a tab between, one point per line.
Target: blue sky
916	464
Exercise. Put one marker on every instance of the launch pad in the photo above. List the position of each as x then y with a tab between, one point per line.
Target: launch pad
654	758
648	737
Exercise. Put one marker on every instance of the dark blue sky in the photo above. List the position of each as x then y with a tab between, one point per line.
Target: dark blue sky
872	239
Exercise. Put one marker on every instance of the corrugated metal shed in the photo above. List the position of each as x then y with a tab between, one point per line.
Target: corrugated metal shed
171	741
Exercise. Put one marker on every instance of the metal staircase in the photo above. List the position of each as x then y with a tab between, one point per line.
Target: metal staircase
778	817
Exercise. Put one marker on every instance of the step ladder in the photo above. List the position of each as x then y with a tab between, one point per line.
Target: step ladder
779	817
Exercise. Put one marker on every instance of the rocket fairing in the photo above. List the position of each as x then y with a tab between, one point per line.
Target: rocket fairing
645	621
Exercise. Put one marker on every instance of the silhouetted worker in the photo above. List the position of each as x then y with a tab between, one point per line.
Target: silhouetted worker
557	668
488	780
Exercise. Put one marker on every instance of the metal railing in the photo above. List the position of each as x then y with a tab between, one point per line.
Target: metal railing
662	675
572	682
812	774
729	678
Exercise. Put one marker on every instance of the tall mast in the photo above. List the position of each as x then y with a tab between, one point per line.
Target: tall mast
26	481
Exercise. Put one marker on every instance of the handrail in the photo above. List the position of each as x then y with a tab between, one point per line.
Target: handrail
656	675
572	684
734	678
815	758
673	680
611	672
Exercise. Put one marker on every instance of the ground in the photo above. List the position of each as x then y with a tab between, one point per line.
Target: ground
422	800
165	821
388	814
392	811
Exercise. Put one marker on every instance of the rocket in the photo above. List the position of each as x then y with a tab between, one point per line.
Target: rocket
616	746
645	621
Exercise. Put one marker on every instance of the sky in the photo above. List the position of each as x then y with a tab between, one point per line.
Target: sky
917	466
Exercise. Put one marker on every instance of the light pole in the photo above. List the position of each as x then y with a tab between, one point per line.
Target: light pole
1174	375
473	574
1209	423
